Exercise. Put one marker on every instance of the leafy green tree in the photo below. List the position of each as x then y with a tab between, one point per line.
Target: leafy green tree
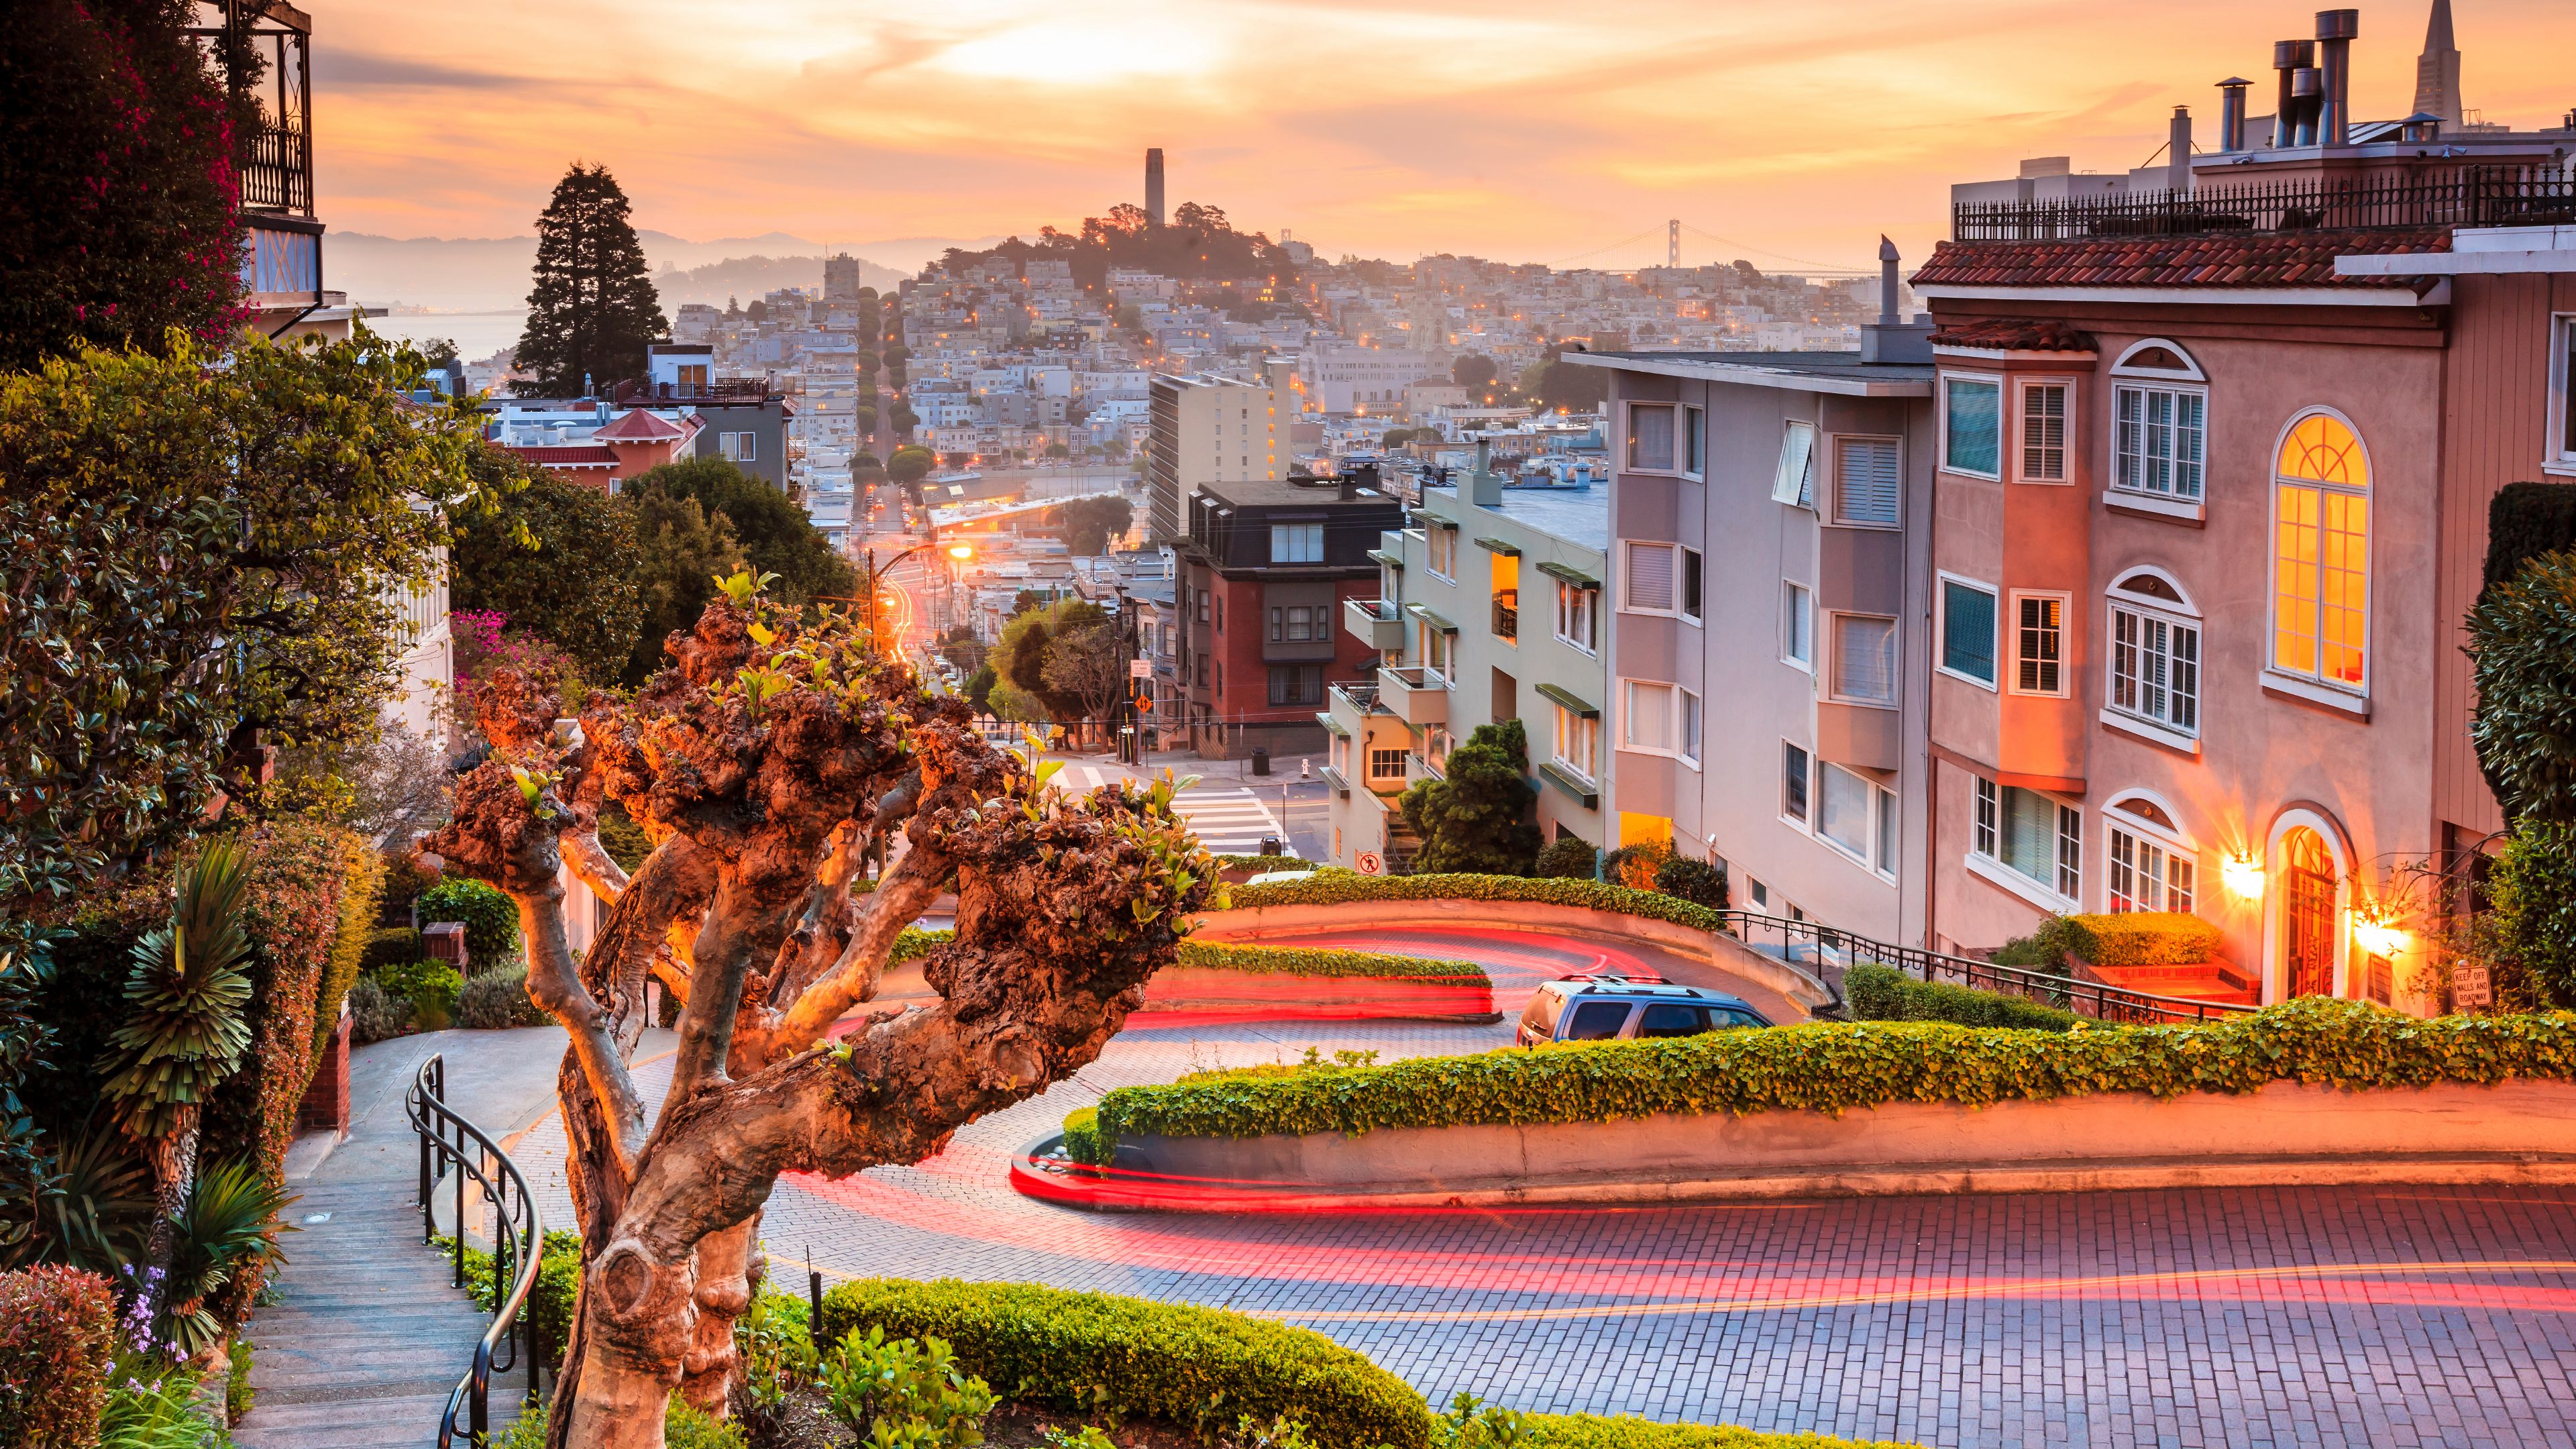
593	309
1477	819
1573	387
1474	371
2531	891
557	558
683	549
193	554
910	464
1091	523
118	214
2522	644
775	535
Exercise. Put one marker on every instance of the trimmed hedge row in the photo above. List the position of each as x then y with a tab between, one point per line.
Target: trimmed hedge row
1266	960
1883	993
1833	1066
1197	1367
1624	1431
1330	890
57	1340
2142	938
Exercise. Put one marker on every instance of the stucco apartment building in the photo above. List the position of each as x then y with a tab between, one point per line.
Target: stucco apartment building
1205	429
1488	608
2209	506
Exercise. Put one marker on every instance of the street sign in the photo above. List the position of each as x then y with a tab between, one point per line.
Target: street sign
1140	669
1371	863
2471	989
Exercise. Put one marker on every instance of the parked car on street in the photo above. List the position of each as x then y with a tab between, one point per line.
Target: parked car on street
1627	1008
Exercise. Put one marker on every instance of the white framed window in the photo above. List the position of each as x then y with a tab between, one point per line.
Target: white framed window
2559	456
1866	478
2039	643
2145	873
1577	607
2155	654
2159	423
1292	543
1688	735
1864	666
1690	585
1794	482
1972	440
1694	443
1439	650
2045	410
1793	782
1647	722
1967	630
1653	585
2036	837
1857	816
1651	437
1797	626
1386	764
1578	742
2321	555
737	447
1440	550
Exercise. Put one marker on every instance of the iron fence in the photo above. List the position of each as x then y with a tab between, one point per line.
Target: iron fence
2474	196
448	1141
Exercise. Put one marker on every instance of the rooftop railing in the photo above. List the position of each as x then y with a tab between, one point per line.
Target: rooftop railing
2474	196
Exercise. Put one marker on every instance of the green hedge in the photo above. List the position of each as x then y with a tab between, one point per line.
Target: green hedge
2142	938
1624	1431
1319	961
1329	890
1833	1066
1196	1367
490	918
1883	993
2524	521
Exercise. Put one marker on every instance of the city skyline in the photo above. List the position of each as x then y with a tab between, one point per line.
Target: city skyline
1506	132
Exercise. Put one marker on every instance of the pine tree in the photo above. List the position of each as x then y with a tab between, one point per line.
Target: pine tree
1477	818
593	310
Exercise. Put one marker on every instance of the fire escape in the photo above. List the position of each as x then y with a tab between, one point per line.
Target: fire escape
264	49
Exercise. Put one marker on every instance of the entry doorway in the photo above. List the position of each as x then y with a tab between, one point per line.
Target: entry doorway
2308	914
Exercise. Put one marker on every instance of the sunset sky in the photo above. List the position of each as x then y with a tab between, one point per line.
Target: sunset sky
1515	130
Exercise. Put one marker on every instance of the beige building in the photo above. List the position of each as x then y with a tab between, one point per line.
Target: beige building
1204	430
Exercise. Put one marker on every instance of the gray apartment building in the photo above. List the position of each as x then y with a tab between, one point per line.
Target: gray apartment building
1489	608
1770	582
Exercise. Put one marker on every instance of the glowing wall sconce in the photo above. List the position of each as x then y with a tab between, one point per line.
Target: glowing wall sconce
2244	877
2378	937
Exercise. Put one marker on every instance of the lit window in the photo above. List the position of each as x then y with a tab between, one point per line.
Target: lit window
1968	630
1650	436
1972	426
1864	659
2321	554
2043	431
1865	481
2039	643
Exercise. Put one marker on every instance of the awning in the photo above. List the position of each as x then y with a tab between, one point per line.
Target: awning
1430	618
1496	545
1565	780
1333	725
1571	575
1388	559
1570	700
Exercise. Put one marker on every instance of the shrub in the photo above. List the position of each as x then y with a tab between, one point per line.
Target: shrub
2521	635
550	1302
2141	938
405	879
683	1427
1319	961
2524	521
152	1408
57	1334
362	885
1624	1431
1326	890
1095	1352
1568	857
1696	881
390	946
1881	993
1082	1140
2043	949
498	999
1833	1067
1634	866
490	918
2533	923
374	1016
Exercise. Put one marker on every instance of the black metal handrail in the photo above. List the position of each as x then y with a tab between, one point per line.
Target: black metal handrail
2085	998
2472	196
518	1246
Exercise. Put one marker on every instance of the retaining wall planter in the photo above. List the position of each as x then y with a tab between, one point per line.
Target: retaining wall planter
1722	952
1273	995
2285	1133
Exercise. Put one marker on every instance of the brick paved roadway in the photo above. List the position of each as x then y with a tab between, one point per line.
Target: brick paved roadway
2324	1317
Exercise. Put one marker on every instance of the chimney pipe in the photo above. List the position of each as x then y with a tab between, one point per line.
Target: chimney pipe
2336	30
2231	113
2178	153
2307	94
2288	58
1889	314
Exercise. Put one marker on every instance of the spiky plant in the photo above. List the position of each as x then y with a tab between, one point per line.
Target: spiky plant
230	1224
184	1032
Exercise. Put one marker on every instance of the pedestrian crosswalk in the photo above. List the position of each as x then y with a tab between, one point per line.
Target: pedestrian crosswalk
1229	819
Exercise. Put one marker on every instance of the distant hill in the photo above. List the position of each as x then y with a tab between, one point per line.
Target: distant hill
481	274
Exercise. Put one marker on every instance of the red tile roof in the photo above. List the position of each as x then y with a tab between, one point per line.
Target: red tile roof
2014	334
2240	259
639	426
566	455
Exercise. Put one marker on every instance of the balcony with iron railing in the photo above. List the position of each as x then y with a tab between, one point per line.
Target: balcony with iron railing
722	389
2469	196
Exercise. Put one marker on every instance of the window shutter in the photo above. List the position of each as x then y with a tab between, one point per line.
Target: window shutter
1865	473
1650	576
1791	484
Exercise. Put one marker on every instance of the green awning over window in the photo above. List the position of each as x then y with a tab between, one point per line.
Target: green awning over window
1570	574
1333	725
1570	700
1567	781
1388	559
1430	618
1496	545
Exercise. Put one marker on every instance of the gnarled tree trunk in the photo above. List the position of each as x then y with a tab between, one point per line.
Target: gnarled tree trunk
770	761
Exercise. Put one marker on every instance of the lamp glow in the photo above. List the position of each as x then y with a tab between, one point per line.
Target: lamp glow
961	552
2244	876
2378	937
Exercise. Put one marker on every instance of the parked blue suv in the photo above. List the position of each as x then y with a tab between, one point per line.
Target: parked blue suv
1626	1008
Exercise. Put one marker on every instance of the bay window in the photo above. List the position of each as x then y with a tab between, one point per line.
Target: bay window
2031	835
1864	669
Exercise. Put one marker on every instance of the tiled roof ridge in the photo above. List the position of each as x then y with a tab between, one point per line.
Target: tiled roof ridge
2015	334
2235	259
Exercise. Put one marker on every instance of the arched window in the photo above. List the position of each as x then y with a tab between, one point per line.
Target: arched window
2159	423
2321	553
2153	865
2154	660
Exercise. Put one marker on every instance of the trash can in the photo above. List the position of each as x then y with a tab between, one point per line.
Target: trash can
1260	760
1273	845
